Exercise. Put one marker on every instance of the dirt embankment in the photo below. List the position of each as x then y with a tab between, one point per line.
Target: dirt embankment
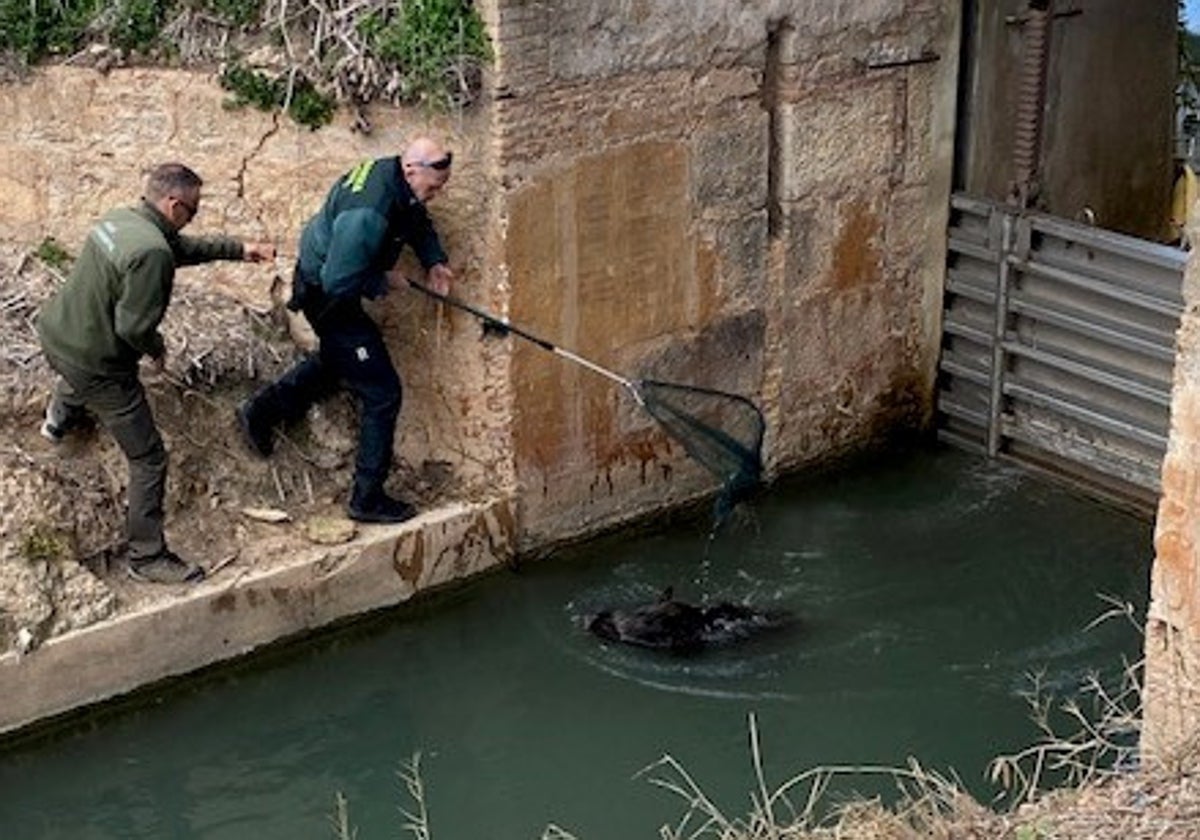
62	507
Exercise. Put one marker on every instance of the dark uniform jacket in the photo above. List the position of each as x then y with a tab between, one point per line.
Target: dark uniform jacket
357	235
106	316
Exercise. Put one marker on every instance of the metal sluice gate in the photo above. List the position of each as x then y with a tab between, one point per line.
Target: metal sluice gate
1058	347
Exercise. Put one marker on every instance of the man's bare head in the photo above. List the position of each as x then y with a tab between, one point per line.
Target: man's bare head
426	166
175	190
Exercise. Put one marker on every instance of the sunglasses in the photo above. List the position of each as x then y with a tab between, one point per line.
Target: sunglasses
441	164
192	209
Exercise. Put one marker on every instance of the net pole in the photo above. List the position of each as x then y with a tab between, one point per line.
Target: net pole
505	325
746	456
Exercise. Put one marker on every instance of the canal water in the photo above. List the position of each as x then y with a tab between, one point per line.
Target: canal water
929	586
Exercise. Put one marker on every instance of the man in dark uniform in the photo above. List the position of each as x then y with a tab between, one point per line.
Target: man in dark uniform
346	252
105	318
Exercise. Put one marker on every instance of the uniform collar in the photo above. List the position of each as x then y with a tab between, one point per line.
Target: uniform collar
152	214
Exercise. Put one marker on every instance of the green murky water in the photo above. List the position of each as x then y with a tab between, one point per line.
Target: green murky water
928	585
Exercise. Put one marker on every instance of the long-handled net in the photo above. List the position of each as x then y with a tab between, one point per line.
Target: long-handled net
721	431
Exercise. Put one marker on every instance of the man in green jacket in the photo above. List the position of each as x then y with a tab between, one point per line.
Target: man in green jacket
105	318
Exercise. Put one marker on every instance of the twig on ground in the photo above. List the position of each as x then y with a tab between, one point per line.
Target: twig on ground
222	563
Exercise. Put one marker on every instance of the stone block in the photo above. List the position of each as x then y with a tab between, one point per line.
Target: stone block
836	139
731	163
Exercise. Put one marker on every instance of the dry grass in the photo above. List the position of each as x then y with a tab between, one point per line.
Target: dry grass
928	805
1105	805
324	41
217	352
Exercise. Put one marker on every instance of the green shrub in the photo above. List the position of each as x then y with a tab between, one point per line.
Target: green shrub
34	29
307	105
136	24
42	543
415	51
250	87
437	45
38	29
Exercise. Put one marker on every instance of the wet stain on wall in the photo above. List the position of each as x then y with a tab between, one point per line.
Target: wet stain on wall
408	560
856	256
607	263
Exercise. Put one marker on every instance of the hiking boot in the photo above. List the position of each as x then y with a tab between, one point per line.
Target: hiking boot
258	440
379	507
74	421
52	433
164	567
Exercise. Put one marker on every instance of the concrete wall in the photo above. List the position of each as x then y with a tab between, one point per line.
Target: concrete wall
1171	702
1108	116
288	588
724	195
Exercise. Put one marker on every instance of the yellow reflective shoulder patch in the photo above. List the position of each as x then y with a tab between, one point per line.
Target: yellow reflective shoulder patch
357	177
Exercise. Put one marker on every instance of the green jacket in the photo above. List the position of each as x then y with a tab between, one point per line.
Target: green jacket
106	316
367	218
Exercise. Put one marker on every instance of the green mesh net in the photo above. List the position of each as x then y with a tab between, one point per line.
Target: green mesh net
721	431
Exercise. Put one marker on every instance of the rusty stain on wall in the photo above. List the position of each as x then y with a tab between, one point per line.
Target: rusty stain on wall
408	559
856	257
608	236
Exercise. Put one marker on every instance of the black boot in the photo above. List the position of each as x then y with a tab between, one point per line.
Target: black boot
256	432
378	506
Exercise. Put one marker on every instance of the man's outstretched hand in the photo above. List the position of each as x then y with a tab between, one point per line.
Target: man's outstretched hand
258	252
439	278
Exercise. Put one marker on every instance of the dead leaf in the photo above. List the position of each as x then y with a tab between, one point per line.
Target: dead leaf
267	514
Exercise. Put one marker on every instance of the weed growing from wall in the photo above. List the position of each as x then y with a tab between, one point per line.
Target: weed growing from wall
43	544
296	95
51	252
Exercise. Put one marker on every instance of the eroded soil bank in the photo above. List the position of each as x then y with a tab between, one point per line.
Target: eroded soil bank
61	564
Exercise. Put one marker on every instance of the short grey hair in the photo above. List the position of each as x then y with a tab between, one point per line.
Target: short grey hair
171	179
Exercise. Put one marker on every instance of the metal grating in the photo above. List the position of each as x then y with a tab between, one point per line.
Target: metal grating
1058	347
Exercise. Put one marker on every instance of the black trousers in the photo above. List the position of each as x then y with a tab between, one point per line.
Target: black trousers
351	355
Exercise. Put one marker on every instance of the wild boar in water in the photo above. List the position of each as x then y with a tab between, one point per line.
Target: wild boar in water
680	627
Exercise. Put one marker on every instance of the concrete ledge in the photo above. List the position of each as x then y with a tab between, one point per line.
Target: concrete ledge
222	619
